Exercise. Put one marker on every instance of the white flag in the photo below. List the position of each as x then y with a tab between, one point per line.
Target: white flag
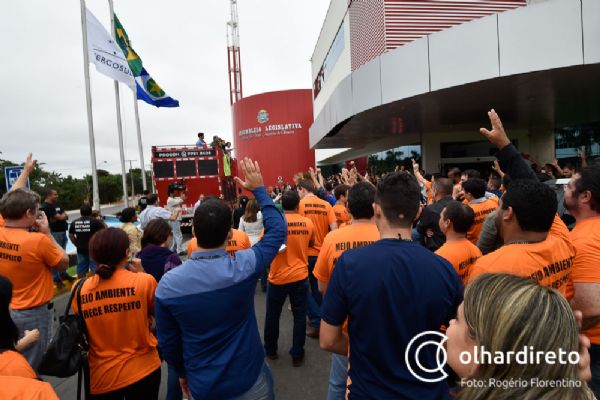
106	54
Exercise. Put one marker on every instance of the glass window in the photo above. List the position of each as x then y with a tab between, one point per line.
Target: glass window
208	167
186	168
164	169
570	140
334	53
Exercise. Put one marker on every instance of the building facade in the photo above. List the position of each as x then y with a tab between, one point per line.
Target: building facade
390	73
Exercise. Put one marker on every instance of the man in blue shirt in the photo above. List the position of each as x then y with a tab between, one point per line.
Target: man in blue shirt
205	319
200	142
390	291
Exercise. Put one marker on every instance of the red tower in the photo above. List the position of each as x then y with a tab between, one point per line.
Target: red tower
272	128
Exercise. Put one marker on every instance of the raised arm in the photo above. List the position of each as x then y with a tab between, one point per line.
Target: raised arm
508	156
274	222
29	166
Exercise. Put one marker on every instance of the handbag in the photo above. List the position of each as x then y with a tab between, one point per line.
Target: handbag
67	353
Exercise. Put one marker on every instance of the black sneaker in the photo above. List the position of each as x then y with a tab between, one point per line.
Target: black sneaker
298	361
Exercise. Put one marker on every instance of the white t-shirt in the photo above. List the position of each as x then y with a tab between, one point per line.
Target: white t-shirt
253	229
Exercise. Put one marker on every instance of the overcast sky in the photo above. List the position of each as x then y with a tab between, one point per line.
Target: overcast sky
183	46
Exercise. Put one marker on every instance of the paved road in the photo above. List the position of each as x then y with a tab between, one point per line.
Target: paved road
306	382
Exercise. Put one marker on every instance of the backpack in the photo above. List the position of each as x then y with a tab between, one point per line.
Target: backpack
67	353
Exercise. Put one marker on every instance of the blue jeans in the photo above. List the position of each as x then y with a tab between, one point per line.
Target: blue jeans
338	377
314	298
61	239
40	318
176	243
85	264
173	387
276	295
595	367
262	388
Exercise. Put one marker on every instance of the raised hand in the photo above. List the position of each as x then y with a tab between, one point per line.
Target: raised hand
252	176
496	136
41	224
496	167
30	164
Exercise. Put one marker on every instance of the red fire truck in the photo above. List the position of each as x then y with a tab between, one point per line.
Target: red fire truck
195	171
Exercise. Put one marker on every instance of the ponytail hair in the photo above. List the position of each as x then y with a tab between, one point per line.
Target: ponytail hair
108	248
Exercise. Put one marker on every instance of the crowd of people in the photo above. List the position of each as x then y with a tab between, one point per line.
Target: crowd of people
369	262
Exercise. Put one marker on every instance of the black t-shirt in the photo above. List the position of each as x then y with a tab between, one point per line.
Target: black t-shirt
237	215
51	210
430	221
84	228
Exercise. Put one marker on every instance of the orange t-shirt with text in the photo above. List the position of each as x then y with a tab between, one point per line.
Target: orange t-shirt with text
239	241
291	265
12	363
336	242
342	216
549	262
26	259
481	210
462	254
321	214
586	239
19	388
116	313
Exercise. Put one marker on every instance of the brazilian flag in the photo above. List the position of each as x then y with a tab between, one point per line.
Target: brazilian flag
147	88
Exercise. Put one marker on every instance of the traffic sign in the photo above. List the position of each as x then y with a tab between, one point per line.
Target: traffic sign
11	174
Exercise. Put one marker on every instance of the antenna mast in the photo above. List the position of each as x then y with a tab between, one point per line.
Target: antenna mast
233	56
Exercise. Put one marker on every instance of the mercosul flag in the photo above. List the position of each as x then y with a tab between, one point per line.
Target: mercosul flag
105	54
147	89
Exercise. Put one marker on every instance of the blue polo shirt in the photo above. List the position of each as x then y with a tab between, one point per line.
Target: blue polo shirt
391	291
205	320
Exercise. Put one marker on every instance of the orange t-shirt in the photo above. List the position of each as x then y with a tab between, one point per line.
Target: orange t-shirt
19	388
321	214
462	254
586	239
291	265
1	221
26	259
481	211
340	240
342	215
116	313
549	262
429	191
239	241
12	363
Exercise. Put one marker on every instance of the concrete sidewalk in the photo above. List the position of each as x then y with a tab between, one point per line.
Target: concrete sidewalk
306	382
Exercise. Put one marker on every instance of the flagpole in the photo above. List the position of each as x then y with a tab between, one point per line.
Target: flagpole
139	137
88	97
119	125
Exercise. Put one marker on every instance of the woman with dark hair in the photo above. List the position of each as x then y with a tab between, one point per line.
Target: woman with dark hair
156	257
128	218
12	363
118	307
